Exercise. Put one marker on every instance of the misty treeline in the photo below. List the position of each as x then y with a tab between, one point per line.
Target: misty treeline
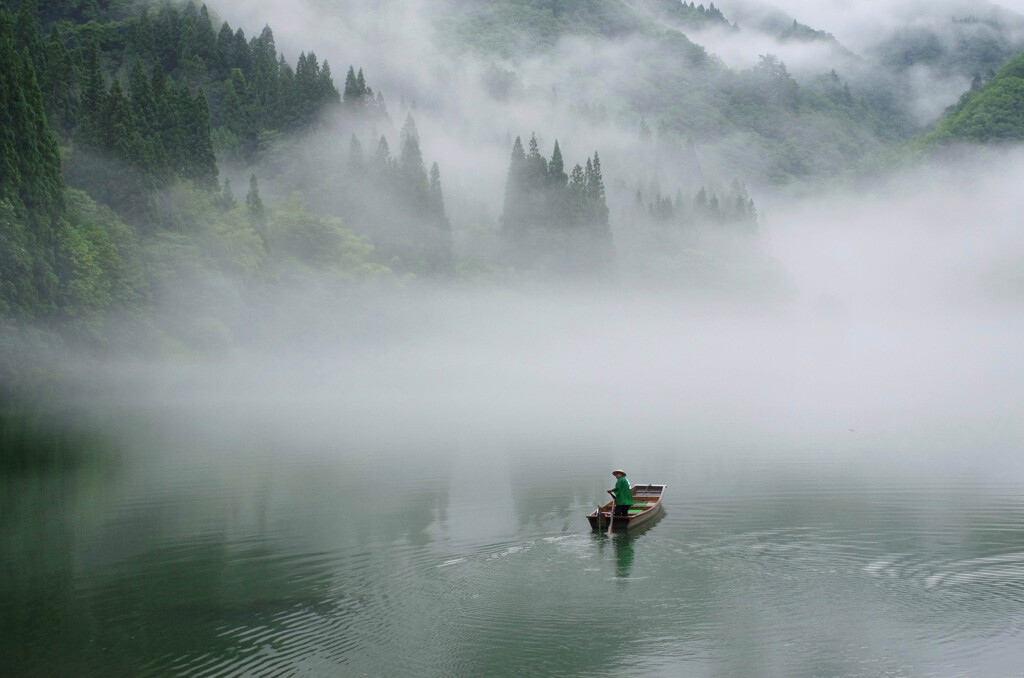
853	116
553	219
734	209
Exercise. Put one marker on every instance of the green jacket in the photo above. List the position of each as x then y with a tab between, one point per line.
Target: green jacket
623	495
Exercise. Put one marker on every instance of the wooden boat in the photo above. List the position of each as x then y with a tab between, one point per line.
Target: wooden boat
646	506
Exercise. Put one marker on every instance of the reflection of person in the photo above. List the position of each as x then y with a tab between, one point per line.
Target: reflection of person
623	556
622	494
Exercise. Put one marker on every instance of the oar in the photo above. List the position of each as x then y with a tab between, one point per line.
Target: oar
611	517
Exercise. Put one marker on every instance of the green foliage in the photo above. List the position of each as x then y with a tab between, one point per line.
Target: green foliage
691	15
799	32
957	47
99	262
31	185
297	236
517	27
18	295
993	114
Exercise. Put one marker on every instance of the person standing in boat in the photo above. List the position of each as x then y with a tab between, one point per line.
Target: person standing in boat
622	493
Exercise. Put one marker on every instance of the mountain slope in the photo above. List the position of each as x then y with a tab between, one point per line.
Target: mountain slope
993	113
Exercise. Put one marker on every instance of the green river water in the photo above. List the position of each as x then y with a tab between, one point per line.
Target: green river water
380	515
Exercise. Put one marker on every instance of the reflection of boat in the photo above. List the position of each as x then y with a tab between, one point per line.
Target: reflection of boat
646	506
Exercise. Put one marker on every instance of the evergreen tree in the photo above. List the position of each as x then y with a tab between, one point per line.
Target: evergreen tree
225	50
201	163
288	113
352	94
167	36
236	111
264	60
326	92
144	39
383	162
206	39
143	101
577	196
595	194
444	262
26	31
414	176
515	190
241	54
556	170
58	82
536	166
357	95
355	154
436	196
94	92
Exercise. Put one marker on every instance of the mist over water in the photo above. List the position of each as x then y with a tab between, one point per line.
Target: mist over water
404	485
892	315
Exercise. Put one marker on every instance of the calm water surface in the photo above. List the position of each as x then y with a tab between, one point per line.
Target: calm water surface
206	542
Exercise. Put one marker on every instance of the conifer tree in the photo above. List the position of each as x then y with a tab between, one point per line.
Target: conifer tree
143	38
241	54
383	162
94	92
202	162
206	39
436	196
536	165
515	189
556	169
167	35
595	194
225	48
26	31
352	94
445	263
326	92
414	175
355	154
264	84
143	101
57	83
577	196
188	43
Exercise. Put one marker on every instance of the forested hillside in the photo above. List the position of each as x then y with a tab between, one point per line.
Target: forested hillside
992	113
156	157
117	119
